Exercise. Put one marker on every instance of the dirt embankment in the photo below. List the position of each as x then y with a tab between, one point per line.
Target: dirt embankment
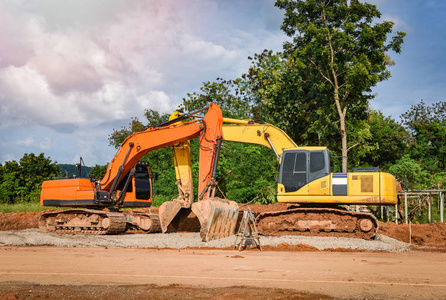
432	235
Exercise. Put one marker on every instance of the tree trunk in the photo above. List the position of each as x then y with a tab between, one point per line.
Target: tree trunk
343	129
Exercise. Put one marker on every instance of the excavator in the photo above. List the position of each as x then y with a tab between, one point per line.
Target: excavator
316	196
127	183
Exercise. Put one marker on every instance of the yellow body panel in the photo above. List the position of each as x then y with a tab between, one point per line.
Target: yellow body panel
364	188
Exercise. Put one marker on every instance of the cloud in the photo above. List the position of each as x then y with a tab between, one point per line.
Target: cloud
69	69
28	142
64	127
143	55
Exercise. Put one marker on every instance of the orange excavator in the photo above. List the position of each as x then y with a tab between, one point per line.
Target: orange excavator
127	183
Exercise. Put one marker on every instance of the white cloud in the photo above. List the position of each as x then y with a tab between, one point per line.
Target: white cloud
68	65
28	142
115	69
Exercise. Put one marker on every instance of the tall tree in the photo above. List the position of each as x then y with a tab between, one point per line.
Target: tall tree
341	43
427	126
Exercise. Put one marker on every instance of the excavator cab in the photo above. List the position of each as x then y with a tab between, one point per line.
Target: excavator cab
299	167
306	177
139	191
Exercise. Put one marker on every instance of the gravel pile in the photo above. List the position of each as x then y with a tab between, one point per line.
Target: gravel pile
33	237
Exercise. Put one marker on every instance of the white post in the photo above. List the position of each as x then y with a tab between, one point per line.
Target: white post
441	207
406	217
419	207
396	213
430	209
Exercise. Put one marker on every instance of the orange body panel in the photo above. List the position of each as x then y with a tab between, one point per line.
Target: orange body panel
79	189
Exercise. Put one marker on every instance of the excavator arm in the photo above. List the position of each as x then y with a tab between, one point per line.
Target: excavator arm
171	133
248	132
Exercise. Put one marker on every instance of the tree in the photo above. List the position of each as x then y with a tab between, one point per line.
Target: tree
232	96
343	48
23	179
427	126
287	97
389	138
98	171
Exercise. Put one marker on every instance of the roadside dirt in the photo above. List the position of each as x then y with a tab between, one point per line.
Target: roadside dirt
114	273
15	291
430	235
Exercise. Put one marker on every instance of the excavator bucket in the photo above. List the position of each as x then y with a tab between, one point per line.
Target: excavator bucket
172	212
218	218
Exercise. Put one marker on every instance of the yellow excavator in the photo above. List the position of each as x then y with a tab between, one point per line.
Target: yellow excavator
316	196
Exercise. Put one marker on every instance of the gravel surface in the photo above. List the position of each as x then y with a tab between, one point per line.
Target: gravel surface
33	237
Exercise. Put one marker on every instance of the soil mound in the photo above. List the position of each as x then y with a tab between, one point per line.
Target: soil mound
418	234
19	220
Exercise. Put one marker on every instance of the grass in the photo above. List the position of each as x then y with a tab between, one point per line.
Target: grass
23	207
35	206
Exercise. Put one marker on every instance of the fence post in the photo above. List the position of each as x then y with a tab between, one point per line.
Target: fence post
396	213
441	207
406	217
429	209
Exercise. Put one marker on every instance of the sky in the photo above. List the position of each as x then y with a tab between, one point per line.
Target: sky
72	71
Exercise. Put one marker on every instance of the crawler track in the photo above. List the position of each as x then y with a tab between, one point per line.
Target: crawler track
83	221
147	222
318	222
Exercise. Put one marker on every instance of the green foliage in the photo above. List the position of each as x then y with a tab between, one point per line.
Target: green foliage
340	52
159	199
98	171
427	126
416	176
21	181
250	173
389	139
232	96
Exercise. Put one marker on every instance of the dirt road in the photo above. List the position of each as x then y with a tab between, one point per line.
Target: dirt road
419	275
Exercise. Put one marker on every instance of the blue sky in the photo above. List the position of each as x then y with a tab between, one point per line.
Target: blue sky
72	71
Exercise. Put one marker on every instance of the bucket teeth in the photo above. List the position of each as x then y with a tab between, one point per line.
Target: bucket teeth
218	218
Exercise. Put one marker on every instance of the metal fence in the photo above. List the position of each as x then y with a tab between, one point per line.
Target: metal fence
415	202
